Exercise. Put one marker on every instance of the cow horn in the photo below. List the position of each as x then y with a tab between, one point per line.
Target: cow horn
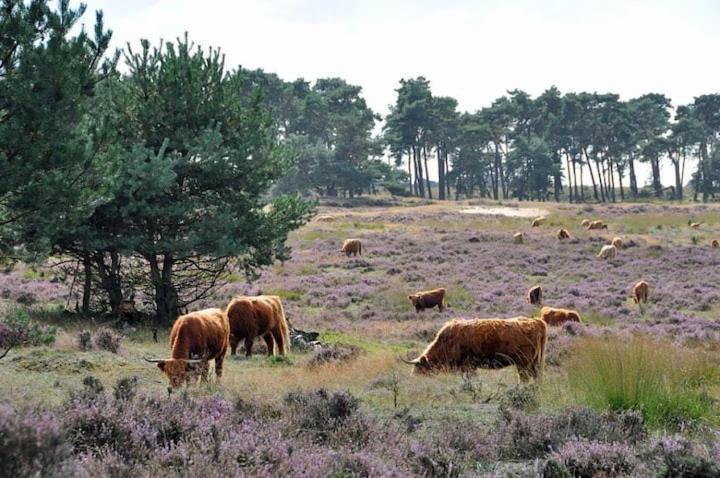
193	360
410	362
153	360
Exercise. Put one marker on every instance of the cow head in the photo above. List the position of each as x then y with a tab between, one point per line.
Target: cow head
421	364
574	317
414	298
179	371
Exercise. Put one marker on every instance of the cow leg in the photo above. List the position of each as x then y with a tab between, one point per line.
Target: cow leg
219	366
233	345
277	334
249	340
204	370
440	307
270	343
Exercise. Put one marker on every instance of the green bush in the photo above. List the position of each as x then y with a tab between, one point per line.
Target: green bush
665	383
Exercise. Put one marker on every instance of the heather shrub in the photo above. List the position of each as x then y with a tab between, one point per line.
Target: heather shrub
333	353
321	412
108	339
17	329
588	459
520	397
31	443
665	383
125	389
84	340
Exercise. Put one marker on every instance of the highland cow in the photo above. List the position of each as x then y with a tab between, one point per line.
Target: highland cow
518	238
715	244
538	221
585	223
695	225
534	295
617	242
553	316
195	339
428	299
563	234
260	316
352	246
640	292
607	252
465	345
596	225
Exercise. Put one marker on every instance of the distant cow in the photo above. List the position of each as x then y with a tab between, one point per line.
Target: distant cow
597	225
617	242
694	225
351	246
428	299
195	339
607	252
324	219
585	223
534	295
518	238
464	345
563	234
641	292
553	316
538	221
259	316
715	243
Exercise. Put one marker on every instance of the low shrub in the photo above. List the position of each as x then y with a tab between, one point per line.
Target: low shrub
108	339
588	459
16	329
84	340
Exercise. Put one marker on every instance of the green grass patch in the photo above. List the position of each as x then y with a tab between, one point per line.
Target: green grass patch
668	385
370	346
596	318
287	294
370	226
458	297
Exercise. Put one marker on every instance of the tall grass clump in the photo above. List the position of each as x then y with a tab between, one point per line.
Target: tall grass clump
665	383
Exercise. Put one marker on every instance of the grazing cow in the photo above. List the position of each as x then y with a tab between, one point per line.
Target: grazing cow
553	316
607	252
534	295
195	339
324	219
694	225
585	223
640	292
428	299
518	238
260	316
715	244
597	225
617	242
464	345
351	246
563	234
538	221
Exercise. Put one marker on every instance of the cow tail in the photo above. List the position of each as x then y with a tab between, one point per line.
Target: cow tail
360	248
284	329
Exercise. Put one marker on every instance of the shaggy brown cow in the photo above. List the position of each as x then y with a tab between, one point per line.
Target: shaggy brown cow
534	295
715	243
617	242
585	223
538	221
351	246
597	225
640	292
428	299
563	234
465	345
607	252
695	225
553	316
518	238
202	334
260	316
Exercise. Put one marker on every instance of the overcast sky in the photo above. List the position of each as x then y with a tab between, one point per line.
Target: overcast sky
471	50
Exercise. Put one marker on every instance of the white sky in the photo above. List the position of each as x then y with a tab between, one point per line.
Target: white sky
471	50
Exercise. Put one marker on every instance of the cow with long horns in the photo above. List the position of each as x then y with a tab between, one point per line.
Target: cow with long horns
195	339
465	345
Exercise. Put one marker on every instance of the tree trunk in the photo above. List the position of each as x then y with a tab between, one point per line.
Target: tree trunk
620	183
705	170
633	178
574	164
410	178
447	170
678	179
87	284
592	177
110	278
427	172
441	173
570	179
496	167
657	186
166	297
600	179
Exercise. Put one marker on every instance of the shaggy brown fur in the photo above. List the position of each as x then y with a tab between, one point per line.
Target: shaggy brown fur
617	242
553	316
640	292
261	316
352	246
202	334
538	221
487	343
715	243
607	252
518	238
596	225
534	295
428	299
563	234
585	223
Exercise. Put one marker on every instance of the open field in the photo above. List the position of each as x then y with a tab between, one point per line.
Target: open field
626	393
